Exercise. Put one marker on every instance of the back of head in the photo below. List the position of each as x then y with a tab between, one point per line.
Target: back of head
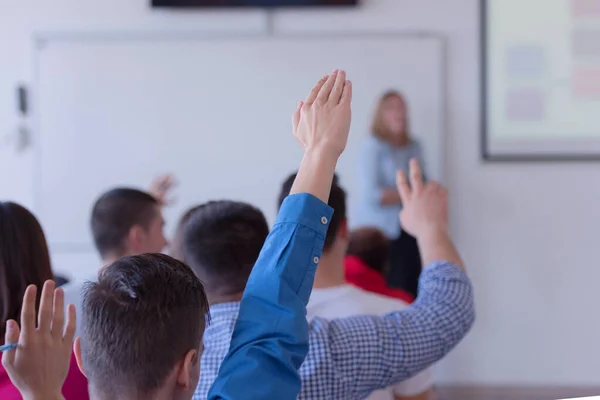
337	201
221	243
370	245
138	321
24	259
115	213
176	247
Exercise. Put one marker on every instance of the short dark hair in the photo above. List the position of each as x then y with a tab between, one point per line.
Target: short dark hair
372	246
221	243
337	201
141	317
176	246
115	213
24	259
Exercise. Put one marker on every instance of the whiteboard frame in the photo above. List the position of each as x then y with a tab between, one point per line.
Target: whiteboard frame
42	38
487	154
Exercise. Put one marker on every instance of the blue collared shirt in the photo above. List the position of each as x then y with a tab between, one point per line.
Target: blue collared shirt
351	357
268	341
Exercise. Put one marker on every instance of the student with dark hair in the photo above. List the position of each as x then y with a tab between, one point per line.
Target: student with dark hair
124	222
25	260
352	357
270	338
142	328
367	261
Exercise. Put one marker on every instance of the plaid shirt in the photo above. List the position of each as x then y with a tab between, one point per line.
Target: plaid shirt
350	358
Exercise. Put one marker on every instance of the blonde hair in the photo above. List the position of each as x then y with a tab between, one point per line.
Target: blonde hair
379	128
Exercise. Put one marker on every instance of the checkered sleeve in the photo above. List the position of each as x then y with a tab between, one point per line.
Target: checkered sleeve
350	358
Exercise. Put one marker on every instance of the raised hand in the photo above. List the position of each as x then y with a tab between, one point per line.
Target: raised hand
425	205
322	121
39	365
321	125
160	188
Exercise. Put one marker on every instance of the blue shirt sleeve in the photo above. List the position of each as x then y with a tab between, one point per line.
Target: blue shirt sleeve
270	339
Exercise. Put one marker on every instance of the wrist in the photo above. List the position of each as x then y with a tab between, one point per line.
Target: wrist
432	232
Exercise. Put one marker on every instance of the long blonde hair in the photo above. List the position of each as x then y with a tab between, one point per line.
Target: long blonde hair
379	127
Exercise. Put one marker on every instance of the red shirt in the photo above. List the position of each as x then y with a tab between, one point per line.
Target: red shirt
361	275
75	387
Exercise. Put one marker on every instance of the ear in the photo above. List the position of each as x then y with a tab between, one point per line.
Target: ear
343	231
77	352
188	370
135	239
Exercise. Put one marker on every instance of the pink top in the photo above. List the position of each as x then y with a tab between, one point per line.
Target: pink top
75	387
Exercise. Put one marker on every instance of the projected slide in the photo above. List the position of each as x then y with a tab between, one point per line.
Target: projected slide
542	78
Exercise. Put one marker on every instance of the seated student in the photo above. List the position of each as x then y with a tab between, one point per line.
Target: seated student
366	263
125	222
348	358
25	260
270	339
333	297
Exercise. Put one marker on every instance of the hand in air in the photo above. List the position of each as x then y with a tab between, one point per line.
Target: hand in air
39	365
425	205
322	121
160	188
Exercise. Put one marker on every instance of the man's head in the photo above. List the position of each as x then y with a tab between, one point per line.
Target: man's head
221	243
336	240
127	222
142	328
371	246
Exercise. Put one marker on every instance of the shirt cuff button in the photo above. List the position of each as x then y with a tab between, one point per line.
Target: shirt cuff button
324	220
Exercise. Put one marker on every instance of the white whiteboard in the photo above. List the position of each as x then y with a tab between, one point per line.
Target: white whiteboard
215	112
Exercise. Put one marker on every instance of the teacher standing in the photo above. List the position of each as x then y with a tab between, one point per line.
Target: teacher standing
388	149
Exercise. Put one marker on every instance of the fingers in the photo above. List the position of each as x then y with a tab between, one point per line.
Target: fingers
70	326
347	93
11	336
28	311
403	187
58	318
312	96
45	311
416	176
296	116
338	87
325	91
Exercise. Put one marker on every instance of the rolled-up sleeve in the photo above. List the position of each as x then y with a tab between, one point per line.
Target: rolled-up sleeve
270	340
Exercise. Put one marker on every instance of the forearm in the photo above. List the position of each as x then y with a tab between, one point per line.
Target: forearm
436	245
315	174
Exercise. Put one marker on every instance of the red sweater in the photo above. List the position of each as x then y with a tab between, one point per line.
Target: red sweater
361	275
75	387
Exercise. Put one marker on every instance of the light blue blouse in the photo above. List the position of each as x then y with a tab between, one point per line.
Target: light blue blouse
377	166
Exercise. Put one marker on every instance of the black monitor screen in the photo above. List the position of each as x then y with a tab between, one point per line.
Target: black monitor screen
252	3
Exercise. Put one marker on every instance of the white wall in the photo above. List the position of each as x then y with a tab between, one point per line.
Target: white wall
528	232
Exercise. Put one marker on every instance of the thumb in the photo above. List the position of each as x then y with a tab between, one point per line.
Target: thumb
11	336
